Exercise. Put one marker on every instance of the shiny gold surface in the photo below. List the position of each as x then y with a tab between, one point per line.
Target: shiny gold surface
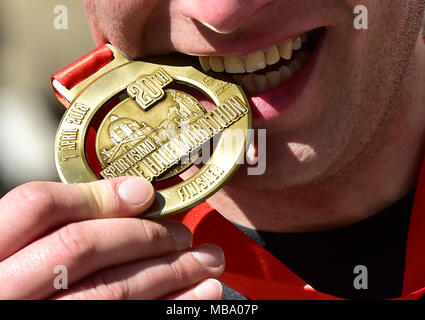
126	127
153	128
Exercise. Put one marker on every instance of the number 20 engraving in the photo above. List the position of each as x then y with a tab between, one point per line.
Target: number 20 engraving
147	90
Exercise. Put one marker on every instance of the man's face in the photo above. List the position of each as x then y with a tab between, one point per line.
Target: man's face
324	108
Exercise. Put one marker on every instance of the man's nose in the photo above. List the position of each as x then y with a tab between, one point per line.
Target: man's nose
222	16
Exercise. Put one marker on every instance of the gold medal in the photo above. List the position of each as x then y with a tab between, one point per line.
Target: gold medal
137	118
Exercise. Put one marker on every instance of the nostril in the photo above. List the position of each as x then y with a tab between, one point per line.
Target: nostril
211	27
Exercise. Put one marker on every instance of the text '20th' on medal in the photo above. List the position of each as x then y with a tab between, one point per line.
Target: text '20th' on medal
135	118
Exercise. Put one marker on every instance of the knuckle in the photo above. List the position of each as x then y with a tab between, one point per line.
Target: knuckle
74	243
180	270
91	198
100	197
153	232
109	284
36	198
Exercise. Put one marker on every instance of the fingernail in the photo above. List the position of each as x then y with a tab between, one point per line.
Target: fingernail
179	232
210	289
136	191
209	255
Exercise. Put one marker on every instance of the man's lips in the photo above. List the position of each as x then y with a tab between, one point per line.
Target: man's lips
272	78
272	102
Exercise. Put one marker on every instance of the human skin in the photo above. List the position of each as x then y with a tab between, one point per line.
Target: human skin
351	143
94	231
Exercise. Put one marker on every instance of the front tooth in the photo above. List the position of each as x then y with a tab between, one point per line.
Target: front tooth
285	73
272	55
273	78
298	43
205	63
248	83
217	64
234	64
255	61
286	48
260	82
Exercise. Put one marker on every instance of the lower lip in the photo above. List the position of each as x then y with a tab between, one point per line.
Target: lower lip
273	102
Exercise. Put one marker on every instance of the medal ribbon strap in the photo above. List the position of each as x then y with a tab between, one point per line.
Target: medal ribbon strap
250	269
69	77
414	274
257	274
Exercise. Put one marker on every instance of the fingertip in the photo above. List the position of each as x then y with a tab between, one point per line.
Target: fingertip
209	255
180	233
135	191
210	289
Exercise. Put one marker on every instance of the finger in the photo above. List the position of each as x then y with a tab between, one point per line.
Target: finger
210	289
84	248
29	211
151	279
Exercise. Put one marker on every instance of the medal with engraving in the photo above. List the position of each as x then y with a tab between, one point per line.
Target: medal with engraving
145	119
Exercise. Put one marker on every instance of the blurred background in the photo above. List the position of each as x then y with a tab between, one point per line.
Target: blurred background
31	50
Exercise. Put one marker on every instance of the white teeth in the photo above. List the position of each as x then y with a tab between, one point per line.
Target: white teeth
217	64
298	43
272	55
255	61
285	49
205	63
256	83
243	66
233	64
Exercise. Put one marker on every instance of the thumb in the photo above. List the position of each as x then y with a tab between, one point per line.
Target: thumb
124	196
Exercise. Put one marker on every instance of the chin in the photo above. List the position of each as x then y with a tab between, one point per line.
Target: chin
291	170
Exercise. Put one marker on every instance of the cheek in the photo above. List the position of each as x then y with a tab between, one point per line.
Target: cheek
121	22
371	5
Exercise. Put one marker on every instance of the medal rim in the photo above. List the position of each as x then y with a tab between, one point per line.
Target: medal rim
97	93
